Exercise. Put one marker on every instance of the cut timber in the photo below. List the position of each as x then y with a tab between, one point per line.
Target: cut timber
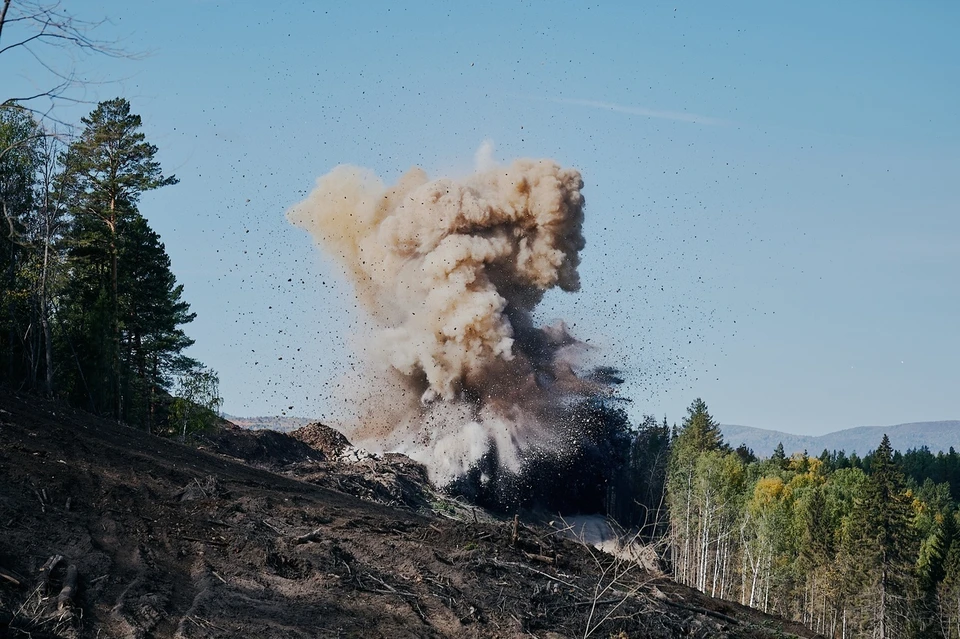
47	570
9	577
703	611
65	598
541	558
311	536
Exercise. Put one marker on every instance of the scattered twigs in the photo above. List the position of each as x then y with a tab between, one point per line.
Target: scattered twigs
43	503
203	623
616	584
515	536
270	526
41	615
409	597
603	602
204	541
515	564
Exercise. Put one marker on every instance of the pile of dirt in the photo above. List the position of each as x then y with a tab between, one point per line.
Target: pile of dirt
323	456
391	479
263	448
328	441
158	539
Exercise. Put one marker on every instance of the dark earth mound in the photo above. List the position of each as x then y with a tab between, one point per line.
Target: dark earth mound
264	448
156	539
323	438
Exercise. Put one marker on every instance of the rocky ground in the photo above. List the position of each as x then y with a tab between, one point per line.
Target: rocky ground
106	531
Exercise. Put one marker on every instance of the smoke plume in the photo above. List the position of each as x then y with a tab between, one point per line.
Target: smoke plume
450	271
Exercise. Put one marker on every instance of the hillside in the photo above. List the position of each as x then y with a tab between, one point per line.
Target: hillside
936	436
161	540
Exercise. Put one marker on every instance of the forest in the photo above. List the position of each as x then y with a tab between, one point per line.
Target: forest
91	311
849	546
93	315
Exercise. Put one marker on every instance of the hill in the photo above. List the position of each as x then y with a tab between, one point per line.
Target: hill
936	436
112	532
279	423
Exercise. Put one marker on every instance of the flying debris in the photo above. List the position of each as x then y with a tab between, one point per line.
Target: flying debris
456	375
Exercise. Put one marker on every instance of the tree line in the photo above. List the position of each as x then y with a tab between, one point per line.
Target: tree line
90	310
849	546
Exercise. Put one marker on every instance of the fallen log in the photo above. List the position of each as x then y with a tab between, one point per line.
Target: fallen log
702	611
69	589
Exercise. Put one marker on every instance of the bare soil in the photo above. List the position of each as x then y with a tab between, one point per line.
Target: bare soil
267	535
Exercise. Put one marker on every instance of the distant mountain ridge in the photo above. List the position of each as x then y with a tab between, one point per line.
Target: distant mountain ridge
936	436
280	423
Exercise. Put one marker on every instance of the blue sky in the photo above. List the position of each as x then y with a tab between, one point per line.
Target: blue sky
772	190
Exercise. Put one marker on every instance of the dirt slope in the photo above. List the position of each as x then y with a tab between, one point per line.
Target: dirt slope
170	541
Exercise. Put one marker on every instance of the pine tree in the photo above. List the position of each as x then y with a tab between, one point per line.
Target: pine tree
779	456
152	311
699	431
884	536
106	171
948	591
699	434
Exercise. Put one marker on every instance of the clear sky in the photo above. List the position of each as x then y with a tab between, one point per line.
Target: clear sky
772	189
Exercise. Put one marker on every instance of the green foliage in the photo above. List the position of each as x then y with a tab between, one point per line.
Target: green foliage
196	406
89	305
698	433
20	159
111	162
779	457
20	155
845	545
645	479
122	307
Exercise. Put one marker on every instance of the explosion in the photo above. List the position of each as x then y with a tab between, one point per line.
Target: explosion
451	271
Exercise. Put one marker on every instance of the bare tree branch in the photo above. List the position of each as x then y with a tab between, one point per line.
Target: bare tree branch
44	31
3	15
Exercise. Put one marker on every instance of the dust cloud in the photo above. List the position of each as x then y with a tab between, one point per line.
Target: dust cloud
450	272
